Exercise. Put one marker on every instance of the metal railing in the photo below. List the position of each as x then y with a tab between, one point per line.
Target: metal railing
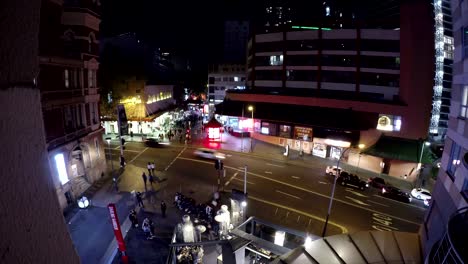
452	247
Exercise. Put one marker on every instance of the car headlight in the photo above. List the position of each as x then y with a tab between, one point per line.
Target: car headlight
367	185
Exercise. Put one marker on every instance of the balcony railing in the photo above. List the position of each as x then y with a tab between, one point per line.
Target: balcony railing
67	93
68	137
453	247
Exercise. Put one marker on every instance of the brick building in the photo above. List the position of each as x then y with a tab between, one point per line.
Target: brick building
68	58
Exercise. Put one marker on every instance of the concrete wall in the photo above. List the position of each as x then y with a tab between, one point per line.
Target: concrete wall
32	226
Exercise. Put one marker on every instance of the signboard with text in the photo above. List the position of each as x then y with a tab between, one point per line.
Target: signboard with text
303	133
117	230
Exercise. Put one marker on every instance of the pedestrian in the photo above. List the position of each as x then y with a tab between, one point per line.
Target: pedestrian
163	208
133	218
145	179
151	180
146	226
149	168
153	167
139	199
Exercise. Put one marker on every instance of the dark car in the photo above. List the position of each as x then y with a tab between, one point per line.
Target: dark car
377	182
153	142
352	180
395	194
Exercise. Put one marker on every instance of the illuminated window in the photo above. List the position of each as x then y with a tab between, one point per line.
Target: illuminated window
90	78
61	169
66	76
454	160
464	102
276	60
236	79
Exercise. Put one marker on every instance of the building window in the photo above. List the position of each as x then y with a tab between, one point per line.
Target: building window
96	144
276	60
90	78
465	42
61	168
454	159
464	190
464	102
66	76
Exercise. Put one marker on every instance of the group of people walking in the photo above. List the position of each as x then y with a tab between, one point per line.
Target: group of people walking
148	225
151	175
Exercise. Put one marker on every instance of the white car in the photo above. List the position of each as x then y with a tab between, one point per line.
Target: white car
208	154
332	171
421	194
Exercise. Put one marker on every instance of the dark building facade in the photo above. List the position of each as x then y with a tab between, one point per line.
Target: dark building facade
68	60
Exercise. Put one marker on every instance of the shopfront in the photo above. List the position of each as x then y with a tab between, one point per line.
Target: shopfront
329	148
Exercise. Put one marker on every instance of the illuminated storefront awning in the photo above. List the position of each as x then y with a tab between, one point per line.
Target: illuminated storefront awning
400	149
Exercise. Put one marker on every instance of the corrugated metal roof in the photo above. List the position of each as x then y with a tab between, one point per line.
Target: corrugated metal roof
360	247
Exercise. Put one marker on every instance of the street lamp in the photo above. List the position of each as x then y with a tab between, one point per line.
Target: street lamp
251	109
108	139
425	143
338	172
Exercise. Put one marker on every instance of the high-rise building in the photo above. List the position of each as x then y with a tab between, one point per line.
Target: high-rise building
444	47
32	226
445	229
277	14
236	36
68	61
346	87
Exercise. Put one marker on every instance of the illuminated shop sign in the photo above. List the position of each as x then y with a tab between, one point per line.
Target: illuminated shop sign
303	133
389	123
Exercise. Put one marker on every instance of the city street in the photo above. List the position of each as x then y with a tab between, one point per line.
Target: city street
291	195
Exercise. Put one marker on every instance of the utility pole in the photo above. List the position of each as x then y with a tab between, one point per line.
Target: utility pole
242	131
245	179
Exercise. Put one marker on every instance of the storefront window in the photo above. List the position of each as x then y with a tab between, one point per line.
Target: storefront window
320	150
285	131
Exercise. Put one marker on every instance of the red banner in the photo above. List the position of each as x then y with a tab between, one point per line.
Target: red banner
116	227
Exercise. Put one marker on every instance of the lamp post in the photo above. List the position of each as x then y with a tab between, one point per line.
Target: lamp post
423	143
251	109
108	139
333	191
242	131
361	146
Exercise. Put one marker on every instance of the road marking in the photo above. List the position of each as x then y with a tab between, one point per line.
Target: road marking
383	197
128	150
268	172
321	182
309	191
295	177
228	155
378	203
242	180
138	155
343	229
357	201
294	196
355	193
280	166
241	168
178	155
230	179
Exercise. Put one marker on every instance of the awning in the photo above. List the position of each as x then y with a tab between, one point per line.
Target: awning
343	119
400	149
360	247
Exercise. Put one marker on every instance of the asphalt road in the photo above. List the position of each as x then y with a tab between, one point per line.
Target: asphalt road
290	195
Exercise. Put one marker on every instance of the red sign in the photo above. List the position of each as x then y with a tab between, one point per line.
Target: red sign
213	133
117	231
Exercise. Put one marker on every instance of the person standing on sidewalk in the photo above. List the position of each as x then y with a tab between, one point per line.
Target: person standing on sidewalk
139	199
153	167
151	180
163	209
145	179
133	218
149	168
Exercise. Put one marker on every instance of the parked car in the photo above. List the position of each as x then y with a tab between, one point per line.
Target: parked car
377	182
352	180
208	154
333	170
421	194
396	194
